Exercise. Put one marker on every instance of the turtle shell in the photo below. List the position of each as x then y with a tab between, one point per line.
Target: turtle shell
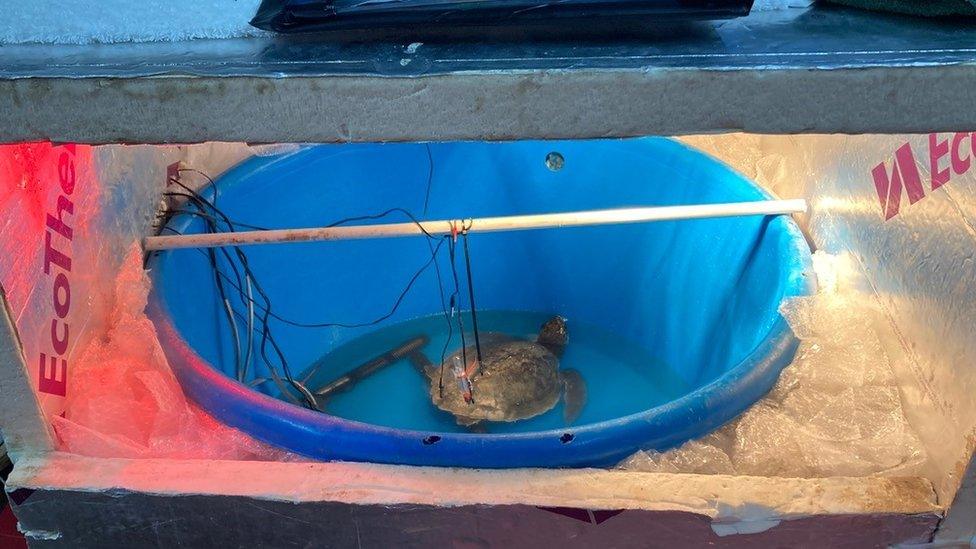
518	379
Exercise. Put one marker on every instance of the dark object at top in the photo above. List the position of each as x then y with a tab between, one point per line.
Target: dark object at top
924	8
289	16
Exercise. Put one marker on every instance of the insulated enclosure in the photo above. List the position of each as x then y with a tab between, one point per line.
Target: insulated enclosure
880	100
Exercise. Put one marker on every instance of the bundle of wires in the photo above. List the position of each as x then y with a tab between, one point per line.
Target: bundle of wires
232	274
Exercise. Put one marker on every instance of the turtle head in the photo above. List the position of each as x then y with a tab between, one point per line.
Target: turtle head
553	335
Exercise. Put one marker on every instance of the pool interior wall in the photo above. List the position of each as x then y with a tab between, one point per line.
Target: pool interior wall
702	295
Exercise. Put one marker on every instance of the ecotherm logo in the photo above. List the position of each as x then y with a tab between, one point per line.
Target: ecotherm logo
53	374
904	173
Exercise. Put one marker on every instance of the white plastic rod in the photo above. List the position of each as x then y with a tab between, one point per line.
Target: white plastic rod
479	225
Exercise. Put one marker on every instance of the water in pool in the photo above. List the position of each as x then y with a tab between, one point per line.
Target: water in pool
621	377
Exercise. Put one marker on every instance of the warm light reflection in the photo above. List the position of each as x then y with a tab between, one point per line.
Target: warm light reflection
834	271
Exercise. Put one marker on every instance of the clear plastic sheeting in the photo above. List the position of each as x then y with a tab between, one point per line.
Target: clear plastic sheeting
123	400
72	219
835	411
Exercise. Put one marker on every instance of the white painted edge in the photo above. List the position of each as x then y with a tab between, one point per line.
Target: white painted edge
734	503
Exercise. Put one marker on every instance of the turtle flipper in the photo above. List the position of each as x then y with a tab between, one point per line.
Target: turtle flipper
574	394
477	427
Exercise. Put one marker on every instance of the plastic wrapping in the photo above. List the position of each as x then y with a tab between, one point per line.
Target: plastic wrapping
835	411
124	401
305	15
72	272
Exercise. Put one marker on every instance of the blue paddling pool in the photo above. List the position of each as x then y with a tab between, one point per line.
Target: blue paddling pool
674	326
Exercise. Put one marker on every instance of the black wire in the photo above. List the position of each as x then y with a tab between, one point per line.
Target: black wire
393	310
195	194
434	251
211	224
179	211
270	365
409	215
454	306
399	298
474	309
267	336
450	327
225	304
440	295
413	219
205	176
440	283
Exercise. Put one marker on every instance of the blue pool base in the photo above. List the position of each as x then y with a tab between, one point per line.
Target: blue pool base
703	294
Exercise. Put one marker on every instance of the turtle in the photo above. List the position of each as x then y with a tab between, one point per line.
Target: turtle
516	378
